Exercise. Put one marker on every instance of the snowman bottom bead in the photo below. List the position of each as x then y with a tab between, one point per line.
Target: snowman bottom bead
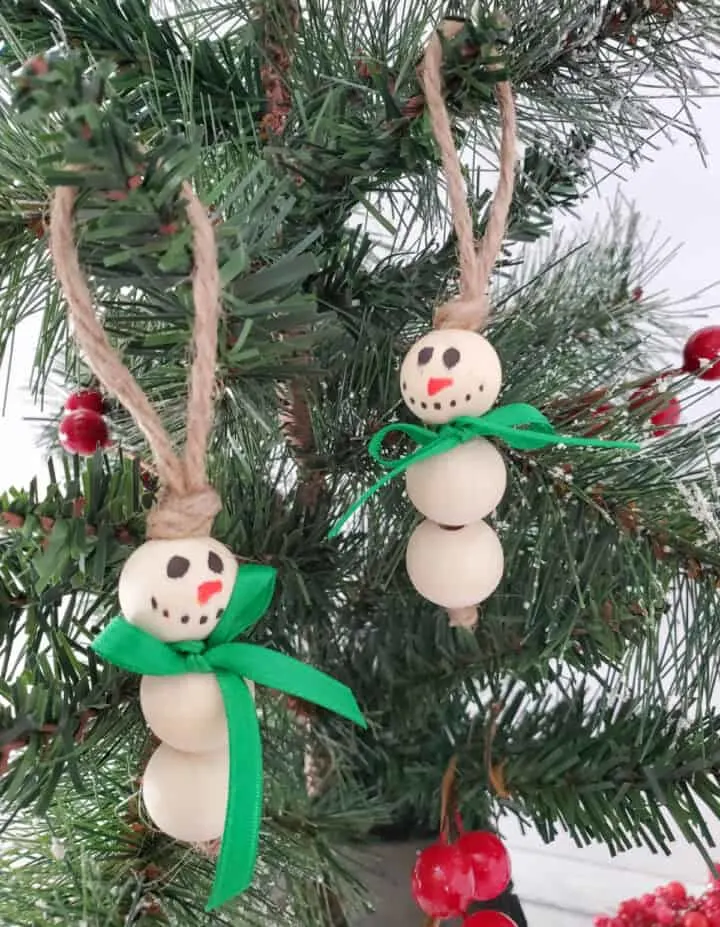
186	794
455	567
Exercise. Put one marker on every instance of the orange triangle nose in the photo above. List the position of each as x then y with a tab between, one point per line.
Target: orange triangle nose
206	591
435	384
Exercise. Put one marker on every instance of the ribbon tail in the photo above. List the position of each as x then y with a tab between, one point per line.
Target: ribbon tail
279	671
532	439
572	440
522	439
431	444
238	848
528	439
361	500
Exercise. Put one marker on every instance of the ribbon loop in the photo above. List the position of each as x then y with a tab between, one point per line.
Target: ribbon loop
519	425
134	649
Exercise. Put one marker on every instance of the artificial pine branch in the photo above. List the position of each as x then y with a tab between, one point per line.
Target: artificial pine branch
588	574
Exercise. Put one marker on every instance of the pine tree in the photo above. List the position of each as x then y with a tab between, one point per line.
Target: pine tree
581	702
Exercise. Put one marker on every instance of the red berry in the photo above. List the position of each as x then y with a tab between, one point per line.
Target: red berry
673	893
702	353
91	399
666	417
664	915
631	908
695	919
490	863
83	432
442	881
488	919
637	294
38	65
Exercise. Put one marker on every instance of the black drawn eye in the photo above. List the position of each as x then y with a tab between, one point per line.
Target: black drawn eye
215	562
451	357
177	567
425	355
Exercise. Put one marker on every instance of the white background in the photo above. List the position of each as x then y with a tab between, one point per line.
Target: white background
562	886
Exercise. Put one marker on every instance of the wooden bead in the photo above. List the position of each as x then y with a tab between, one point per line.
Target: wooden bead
462	486
449	373
177	590
454	568
187	712
186	794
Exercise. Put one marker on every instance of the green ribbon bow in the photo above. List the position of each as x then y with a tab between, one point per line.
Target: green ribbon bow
134	649
520	425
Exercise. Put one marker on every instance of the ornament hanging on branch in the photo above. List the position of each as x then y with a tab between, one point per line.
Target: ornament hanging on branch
451	379
83	428
185	600
448	876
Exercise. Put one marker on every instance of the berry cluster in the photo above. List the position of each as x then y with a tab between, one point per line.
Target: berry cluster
83	429
669	906
701	358
449	876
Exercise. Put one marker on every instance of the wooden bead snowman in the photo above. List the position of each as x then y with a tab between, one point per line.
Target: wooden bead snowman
177	590
176	585
454	558
184	600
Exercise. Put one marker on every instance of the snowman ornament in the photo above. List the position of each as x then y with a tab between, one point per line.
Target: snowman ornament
454	558
177	590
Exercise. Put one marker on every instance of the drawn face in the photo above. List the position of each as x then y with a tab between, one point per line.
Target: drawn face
177	590
448	373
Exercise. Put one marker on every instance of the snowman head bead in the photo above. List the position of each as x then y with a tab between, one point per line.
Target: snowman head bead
448	373
177	590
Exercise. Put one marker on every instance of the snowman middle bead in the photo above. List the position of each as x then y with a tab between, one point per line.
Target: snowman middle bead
446	374
177	590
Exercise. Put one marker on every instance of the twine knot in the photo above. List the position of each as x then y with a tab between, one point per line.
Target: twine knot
184	515
468	312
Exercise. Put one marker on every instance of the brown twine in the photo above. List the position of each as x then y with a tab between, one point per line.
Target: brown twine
471	309
187	504
495	771
447	796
